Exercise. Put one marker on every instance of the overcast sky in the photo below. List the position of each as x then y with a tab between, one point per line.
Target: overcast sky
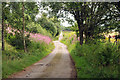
64	23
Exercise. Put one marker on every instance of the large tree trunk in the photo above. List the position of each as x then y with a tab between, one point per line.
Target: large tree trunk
24	29
86	37
81	36
79	20
80	32
2	29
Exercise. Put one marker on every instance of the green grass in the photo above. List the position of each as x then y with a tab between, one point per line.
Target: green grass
81	65
55	38
88	58
16	60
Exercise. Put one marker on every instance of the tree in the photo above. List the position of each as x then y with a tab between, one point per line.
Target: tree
5	9
95	15
3	27
47	24
89	16
69	7
117	5
23	28
56	22
74	27
19	14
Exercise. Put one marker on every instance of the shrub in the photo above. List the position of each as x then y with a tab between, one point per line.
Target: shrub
37	45
103	58
17	40
47	24
95	59
108	55
36	28
15	60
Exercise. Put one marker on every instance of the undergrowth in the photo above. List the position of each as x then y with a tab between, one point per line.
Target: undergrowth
99	60
14	60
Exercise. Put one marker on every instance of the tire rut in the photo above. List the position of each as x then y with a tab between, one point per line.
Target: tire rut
51	65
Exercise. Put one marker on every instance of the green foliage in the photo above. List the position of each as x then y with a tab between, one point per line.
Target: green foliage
17	15
91	18
38	46
94	60
74	27
100	57
36	28
100	54
51	25
57	25
47	25
17	40
67	29
15	60
13	13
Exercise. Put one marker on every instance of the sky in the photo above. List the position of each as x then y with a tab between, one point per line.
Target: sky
66	24
63	23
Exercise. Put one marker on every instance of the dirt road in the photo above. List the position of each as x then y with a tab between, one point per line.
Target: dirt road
57	64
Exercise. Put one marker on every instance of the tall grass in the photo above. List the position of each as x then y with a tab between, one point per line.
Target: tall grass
99	60
15	60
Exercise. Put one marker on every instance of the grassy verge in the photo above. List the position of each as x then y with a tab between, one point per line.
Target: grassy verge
16	60
100	60
55	38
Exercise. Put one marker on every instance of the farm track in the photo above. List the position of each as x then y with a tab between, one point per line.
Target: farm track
57	64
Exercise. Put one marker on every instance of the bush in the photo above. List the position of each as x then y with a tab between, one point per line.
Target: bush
36	28
37	46
48	24
15	60
104	54
100	54
94	60
100	57
17	40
